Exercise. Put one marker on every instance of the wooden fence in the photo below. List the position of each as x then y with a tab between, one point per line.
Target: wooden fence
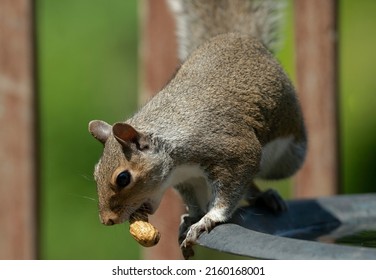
18	131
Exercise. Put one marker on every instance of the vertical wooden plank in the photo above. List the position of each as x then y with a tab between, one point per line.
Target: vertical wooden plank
158	63
18	222
316	62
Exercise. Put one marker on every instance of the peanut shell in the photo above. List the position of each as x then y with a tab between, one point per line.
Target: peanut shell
142	231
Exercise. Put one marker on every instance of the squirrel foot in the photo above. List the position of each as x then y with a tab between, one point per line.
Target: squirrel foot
272	200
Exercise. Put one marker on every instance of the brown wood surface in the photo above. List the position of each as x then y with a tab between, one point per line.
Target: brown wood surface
316	62
158	63
18	164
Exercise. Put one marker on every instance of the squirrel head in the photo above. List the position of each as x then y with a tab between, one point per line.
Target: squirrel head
127	173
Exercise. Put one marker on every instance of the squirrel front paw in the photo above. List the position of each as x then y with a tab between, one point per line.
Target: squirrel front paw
204	225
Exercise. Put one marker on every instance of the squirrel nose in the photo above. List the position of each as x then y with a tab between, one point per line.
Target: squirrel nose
107	220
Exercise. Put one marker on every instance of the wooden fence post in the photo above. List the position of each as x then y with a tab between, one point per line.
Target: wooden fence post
18	150
158	63
316	56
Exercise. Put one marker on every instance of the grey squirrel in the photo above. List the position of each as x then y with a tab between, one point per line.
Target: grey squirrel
228	116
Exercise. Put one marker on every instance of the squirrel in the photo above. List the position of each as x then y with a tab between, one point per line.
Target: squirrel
228	116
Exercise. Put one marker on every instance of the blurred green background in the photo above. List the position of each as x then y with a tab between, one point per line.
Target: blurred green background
87	52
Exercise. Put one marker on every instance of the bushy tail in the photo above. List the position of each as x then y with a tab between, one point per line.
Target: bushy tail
199	20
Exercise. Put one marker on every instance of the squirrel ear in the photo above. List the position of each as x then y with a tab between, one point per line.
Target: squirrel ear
100	130
126	134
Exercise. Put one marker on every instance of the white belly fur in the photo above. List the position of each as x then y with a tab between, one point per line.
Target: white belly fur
182	174
196	177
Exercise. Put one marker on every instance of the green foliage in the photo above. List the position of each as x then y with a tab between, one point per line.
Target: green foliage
357	93
366	238
87	53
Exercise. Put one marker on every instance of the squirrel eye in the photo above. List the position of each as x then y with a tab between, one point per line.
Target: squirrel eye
123	179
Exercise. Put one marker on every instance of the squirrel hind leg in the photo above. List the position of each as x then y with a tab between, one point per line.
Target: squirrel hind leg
272	200
269	198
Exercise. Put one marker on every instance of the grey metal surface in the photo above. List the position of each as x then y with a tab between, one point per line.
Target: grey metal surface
258	233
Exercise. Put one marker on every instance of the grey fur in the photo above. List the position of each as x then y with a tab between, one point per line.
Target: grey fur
215	119
197	21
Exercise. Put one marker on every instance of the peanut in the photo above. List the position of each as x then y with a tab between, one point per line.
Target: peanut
142	231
